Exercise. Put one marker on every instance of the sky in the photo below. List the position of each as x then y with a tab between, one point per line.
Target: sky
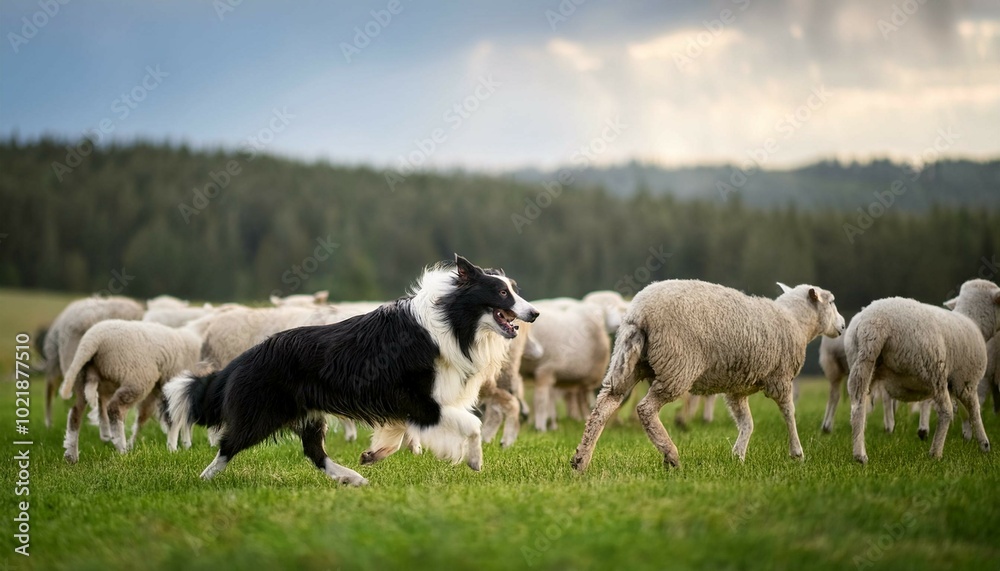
503	85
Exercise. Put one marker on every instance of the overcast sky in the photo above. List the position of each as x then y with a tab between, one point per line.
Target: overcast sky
684	82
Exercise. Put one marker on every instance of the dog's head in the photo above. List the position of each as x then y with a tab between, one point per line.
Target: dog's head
491	296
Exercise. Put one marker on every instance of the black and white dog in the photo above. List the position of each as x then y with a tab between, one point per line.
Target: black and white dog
415	364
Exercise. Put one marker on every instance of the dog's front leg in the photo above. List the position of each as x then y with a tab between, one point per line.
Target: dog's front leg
456	436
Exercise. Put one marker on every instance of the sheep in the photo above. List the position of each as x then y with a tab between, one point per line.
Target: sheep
64	335
503	396
576	350
991	381
301	300
129	361
177	316
694	336
166	302
918	351
689	407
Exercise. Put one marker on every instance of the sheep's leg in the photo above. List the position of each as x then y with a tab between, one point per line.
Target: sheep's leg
553	415
573	404
888	411
945	411
50	391
544	381
859	389
739	407
608	401
386	440
689	405
924	424
786	403
350	429
708	414
313	435
103	423
72	441
492	418
118	407
502	407
970	400
146	410
831	404
648	411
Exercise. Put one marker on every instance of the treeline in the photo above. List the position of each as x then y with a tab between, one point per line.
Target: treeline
147	219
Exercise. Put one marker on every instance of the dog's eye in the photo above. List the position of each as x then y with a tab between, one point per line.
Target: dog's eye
503	293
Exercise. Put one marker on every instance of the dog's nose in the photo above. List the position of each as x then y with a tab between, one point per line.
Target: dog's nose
532	314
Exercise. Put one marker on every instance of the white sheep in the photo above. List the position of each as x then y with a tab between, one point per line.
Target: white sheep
991	380
129	361
576	349
166	302
177	316
689	335
65	333
918	351
301	300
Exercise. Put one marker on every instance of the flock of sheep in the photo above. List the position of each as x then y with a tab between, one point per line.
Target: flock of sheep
685	337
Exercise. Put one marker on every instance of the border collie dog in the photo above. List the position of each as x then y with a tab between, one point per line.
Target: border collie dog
415	364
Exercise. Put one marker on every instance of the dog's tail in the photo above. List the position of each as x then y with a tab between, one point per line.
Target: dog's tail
190	399
84	353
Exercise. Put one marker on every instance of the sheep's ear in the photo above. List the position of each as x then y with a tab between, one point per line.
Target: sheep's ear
784	288
466	269
951	303
321	296
275	300
996	297
813	295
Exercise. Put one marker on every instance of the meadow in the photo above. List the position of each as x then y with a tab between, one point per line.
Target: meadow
526	509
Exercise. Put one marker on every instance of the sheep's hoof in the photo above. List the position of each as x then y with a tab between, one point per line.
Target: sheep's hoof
889	429
984	446
671	462
827	429
861	458
922	434
797	455
476	465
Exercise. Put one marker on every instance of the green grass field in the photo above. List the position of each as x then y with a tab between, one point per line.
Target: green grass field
527	508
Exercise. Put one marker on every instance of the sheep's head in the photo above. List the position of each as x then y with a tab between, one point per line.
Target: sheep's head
831	322
613	306
979	300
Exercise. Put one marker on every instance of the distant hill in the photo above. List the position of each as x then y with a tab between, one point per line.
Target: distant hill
827	184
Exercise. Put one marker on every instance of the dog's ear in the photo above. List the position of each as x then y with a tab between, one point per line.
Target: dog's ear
466	269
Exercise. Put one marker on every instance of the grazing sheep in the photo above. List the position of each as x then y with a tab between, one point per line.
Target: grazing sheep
64	335
918	351
576	350
689	407
129	361
301	300
693	336
503	397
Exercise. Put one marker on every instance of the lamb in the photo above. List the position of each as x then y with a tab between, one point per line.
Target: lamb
689	335
64	335
129	361
576	350
918	351
503	396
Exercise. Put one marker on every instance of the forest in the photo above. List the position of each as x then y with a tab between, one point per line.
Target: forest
148	218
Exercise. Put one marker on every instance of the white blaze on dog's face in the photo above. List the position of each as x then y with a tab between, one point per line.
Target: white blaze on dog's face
491	295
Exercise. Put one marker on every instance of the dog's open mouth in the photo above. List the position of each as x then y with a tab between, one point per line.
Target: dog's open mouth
505	320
